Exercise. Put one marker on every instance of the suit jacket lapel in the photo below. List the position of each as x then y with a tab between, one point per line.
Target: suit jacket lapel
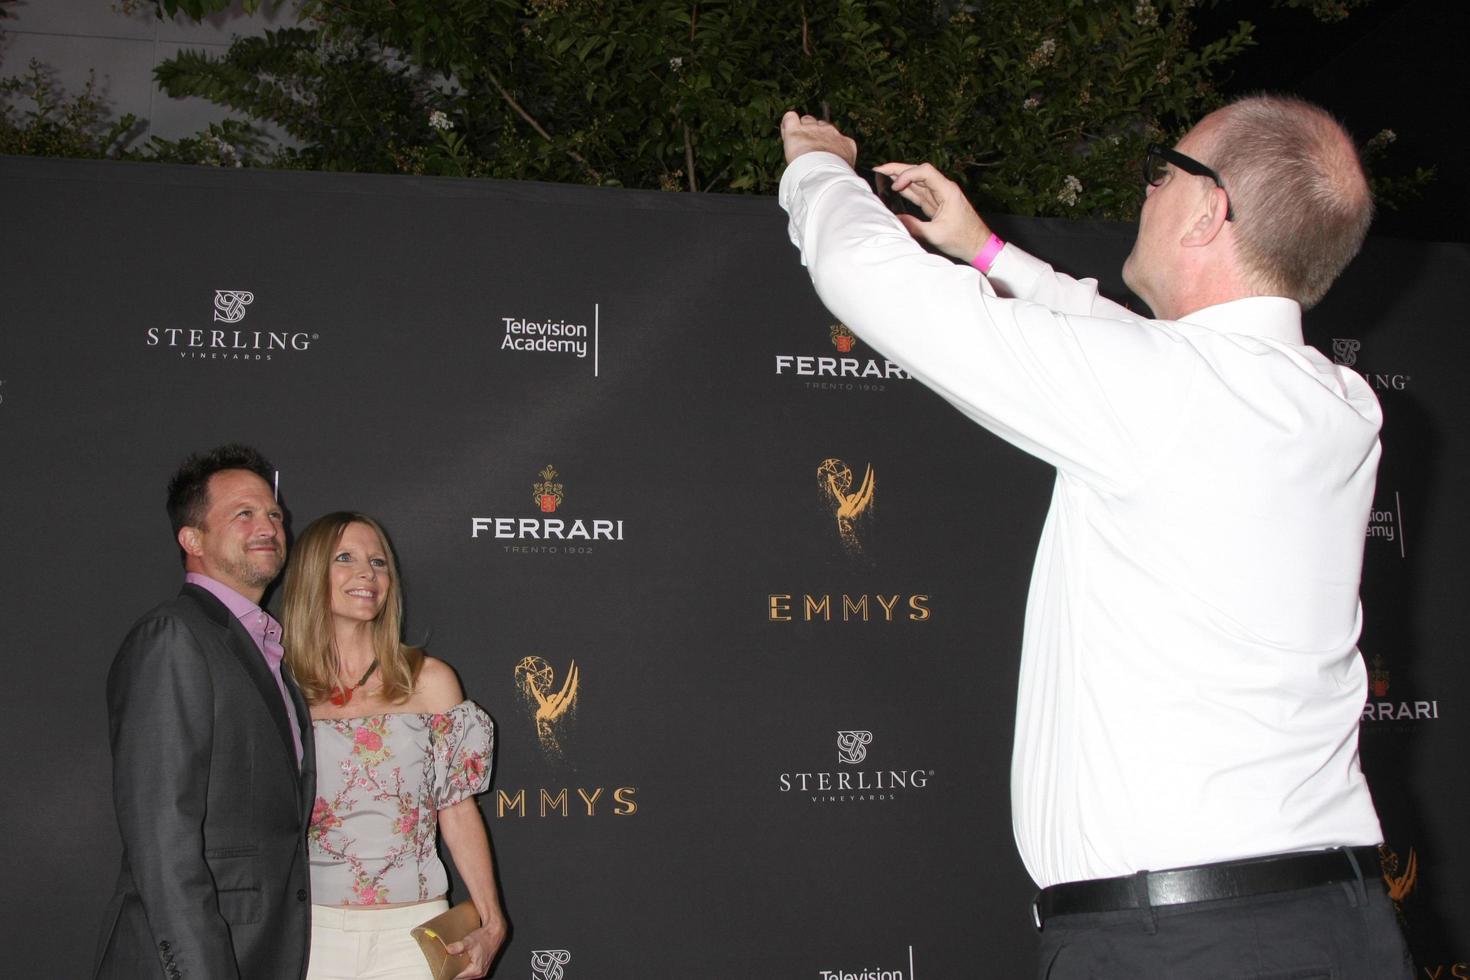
307	784
239	642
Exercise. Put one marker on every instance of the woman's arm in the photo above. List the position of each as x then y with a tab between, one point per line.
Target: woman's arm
463	830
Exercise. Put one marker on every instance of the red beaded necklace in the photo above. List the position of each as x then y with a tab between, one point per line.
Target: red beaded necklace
340	697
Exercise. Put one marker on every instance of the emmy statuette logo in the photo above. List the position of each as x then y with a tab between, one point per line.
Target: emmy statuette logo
1400	882
229	304
547	494
546	964
852	747
550	708
834	481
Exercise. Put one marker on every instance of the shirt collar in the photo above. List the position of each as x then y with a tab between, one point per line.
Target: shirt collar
1268	317
248	613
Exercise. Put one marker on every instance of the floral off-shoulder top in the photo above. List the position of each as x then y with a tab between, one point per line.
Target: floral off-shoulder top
381	781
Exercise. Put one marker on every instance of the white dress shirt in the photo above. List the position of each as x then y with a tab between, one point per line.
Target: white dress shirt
1190	682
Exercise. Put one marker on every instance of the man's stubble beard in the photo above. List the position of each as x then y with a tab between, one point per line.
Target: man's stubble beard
254	575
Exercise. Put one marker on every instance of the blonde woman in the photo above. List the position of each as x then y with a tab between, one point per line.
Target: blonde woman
400	752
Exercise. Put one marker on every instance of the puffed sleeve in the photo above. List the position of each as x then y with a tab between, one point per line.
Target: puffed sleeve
462	742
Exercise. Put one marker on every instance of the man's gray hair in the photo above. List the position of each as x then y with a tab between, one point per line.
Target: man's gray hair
1302	203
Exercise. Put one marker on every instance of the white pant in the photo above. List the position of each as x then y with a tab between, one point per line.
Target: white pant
368	943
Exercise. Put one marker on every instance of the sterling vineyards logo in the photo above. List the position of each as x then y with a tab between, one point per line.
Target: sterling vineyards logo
546	964
555	336
846	372
229	304
547	535
847	784
1345	351
852	747
218	344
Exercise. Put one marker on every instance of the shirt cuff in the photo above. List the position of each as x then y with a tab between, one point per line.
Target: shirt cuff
798	169
1015	271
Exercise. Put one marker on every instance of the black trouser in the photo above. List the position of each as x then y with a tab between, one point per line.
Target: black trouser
1342	931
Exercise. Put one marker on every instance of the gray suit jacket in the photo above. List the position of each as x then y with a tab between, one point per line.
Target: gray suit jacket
212	808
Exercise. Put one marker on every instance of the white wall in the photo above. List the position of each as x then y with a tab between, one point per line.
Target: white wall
73	37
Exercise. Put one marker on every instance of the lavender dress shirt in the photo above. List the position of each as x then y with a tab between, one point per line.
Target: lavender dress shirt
266	633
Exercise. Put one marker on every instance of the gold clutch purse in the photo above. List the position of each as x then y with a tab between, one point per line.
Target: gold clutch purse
445	928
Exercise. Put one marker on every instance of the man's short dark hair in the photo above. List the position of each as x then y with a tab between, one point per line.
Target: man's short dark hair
188	491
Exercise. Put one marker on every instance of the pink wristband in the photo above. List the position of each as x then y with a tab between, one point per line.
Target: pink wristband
987	255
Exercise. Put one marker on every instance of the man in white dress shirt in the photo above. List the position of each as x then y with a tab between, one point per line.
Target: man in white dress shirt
1185	781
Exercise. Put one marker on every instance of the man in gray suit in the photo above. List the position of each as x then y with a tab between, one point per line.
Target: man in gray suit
213	776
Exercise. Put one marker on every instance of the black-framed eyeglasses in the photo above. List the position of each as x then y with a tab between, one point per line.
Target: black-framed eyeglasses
1156	161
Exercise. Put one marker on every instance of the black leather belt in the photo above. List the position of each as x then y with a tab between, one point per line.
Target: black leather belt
1208	882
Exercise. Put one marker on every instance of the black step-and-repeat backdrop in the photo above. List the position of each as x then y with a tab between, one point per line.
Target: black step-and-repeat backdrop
744	600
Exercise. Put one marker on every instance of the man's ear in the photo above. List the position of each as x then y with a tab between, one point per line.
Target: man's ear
1210	220
189	540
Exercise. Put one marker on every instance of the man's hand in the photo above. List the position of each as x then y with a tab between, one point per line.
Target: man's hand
953	226
808	134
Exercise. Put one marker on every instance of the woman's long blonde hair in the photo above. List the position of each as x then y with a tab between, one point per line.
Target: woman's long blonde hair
306	615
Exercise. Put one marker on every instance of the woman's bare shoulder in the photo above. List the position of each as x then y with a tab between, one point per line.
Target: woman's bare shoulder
437	687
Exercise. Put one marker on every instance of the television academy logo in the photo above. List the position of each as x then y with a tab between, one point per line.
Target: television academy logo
550	710
214	344
1345	351
1381	708
547	535
563	337
843	373
546	964
834	483
1388	525
844	785
871	972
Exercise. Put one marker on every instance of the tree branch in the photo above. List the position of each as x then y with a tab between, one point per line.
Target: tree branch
689	159
541	130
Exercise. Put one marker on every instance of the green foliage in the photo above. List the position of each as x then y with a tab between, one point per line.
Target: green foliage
200	9
1392	190
1037	107
38	119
